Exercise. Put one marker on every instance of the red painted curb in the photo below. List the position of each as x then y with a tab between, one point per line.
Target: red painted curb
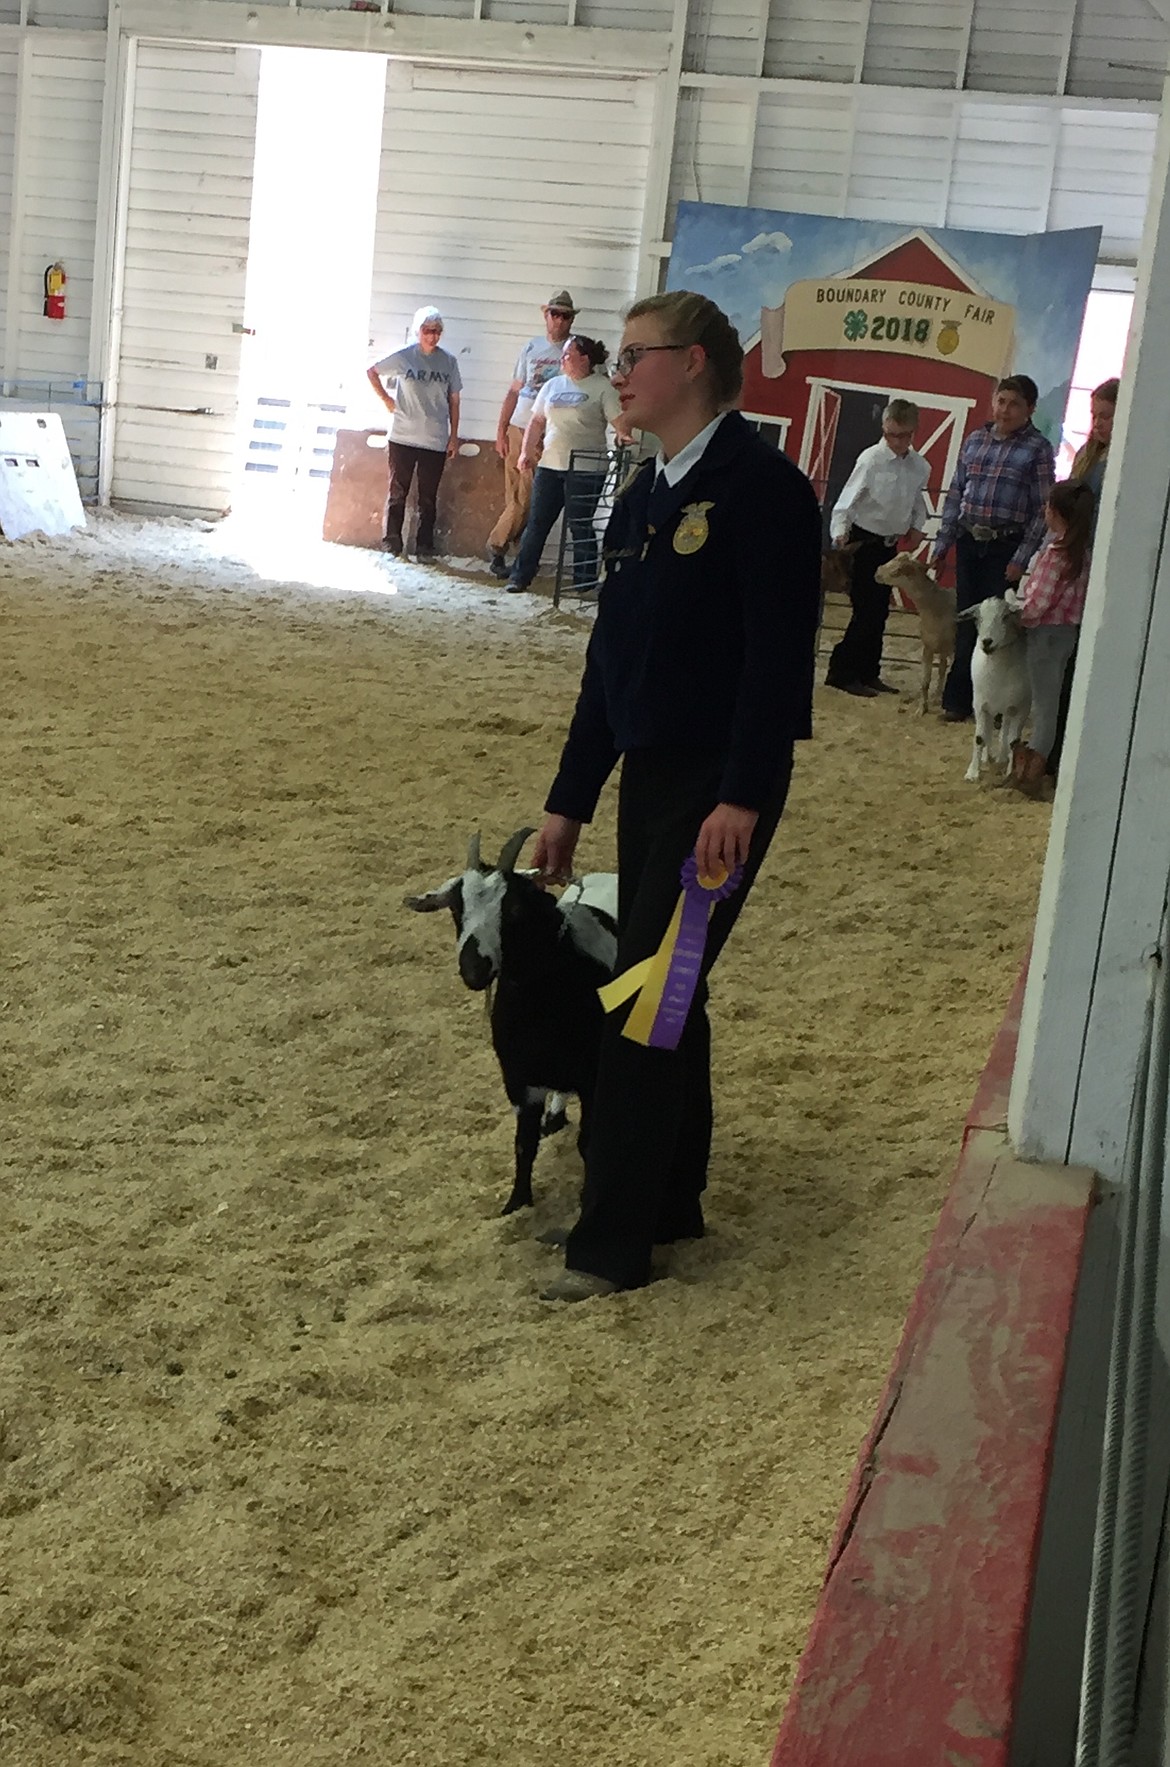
916	1645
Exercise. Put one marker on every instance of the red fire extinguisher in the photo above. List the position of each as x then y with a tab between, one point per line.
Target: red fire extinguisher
55	291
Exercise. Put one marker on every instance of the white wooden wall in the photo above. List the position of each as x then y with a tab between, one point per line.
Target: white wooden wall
979	113
487	218
942	159
58	155
9	63
188	211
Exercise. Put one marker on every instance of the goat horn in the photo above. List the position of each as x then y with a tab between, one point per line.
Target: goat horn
473	860
510	851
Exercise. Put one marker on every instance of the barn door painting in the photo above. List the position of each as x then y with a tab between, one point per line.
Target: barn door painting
187	207
821	438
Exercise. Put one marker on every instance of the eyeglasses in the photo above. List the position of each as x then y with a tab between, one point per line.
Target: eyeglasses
628	359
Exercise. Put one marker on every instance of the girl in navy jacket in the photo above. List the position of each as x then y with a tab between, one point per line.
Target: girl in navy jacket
699	677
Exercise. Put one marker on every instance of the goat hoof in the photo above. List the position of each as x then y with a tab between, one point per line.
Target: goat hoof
554	1123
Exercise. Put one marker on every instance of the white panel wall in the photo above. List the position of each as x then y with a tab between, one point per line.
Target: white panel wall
1002	177
940	158
900	165
8	66
917	42
803	149
1115	41
712	148
60	130
76	15
638	15
725	36
815	39
1019	45
189	202
1101	175
496	190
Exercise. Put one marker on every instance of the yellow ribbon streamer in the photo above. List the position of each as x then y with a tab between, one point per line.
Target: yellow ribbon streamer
647	979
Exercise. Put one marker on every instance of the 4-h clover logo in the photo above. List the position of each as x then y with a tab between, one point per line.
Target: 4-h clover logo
856	325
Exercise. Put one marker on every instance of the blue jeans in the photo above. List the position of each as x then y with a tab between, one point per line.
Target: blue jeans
551	489
979	574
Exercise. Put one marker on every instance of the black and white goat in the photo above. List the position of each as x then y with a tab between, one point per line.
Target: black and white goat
547	959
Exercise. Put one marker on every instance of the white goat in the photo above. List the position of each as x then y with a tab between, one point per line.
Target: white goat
1000	688
936	615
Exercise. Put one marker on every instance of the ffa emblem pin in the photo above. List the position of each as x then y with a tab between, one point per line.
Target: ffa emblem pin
692	530
948	338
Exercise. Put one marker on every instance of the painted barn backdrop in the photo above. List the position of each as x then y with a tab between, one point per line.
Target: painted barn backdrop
841	315
527	143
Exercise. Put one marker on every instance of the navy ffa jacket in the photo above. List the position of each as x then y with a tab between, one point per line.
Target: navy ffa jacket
706	624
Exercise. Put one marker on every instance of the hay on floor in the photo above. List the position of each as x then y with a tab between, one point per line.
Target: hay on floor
293	1464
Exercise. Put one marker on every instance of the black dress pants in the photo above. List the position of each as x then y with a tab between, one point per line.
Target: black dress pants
650	1130
858	657
979	574
405	462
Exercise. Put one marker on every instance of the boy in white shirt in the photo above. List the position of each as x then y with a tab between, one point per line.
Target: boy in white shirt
882	502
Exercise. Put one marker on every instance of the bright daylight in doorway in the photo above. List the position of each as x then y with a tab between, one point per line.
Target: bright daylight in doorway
307	306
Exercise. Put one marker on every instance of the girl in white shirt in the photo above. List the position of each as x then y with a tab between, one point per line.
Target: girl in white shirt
570	415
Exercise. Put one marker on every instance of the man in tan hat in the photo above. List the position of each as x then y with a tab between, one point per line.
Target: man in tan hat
537	362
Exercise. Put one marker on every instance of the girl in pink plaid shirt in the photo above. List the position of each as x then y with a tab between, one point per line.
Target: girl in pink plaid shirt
1051	600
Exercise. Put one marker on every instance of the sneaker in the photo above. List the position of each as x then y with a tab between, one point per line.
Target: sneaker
515	588
498	565
949	717
391	545
425	554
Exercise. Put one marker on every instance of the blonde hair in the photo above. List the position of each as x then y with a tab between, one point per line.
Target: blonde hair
688	318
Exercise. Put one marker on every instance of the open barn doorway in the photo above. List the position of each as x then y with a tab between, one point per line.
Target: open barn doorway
307	298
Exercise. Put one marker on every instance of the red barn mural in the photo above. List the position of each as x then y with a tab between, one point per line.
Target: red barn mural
907	322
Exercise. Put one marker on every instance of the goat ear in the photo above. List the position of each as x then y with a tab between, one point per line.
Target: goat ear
434	899
968	613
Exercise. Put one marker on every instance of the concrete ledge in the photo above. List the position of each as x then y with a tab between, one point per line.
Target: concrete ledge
916	1647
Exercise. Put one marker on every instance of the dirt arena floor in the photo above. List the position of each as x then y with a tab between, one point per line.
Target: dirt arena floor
294	1466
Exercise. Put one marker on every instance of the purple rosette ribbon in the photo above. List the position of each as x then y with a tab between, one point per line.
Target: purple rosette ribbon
699	897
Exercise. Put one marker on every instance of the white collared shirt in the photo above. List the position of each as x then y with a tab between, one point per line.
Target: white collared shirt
676	469
883	493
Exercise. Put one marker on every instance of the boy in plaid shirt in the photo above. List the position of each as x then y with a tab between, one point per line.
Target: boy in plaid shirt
993	516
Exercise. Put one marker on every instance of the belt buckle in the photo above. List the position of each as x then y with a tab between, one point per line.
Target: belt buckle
980	534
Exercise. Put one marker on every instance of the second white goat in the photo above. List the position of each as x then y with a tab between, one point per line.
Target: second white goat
1001	691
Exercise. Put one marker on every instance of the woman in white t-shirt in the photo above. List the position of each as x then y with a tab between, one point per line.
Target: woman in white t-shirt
570	416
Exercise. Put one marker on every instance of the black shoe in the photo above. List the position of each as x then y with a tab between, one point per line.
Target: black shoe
425	554
857	688
391	545
515	588
498	565
882	687
949	717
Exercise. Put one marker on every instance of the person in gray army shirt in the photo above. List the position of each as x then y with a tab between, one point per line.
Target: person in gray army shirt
420	386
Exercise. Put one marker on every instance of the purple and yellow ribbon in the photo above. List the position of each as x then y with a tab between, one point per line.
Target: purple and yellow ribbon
665	983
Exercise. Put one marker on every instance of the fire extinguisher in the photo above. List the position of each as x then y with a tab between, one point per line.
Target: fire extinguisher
55	291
